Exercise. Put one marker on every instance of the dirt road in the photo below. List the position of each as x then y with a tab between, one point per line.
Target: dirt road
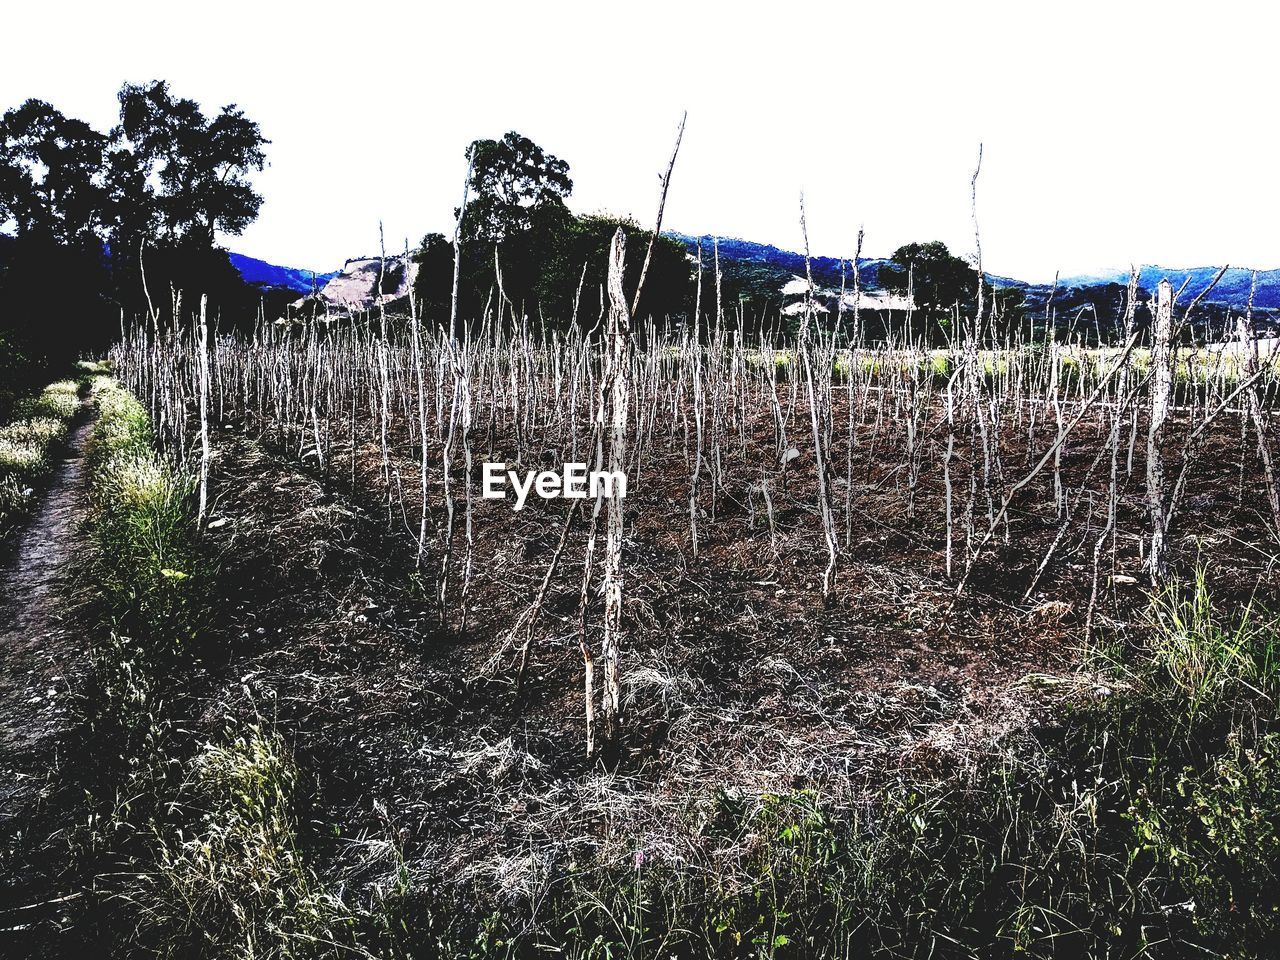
43	656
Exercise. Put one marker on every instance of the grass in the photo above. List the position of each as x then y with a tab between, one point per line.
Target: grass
207	833
1144	822
228	878
144	522
28	444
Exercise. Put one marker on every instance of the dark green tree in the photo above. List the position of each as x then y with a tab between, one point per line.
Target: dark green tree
579	255
514	185
51	174
52	199
201	165
434	284
937	279
516	226
81	209
944	286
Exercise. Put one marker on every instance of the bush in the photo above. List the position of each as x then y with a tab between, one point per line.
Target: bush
230	881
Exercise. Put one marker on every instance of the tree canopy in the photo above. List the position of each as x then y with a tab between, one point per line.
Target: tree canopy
943	285
520	241
514	185
201	164
51	174
937	279
84	208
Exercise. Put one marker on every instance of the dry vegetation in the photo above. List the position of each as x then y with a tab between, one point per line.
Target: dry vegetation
871	661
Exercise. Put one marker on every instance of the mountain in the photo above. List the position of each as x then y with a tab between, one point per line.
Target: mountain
1232	289
785	264
261	273
365	282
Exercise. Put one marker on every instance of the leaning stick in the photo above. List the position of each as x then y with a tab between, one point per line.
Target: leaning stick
1048	455
662	203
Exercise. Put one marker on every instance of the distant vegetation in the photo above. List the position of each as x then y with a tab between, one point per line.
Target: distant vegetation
522	244
132	215
87	213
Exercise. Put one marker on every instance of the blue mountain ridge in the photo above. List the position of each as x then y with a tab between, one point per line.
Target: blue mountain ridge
1232	290
260	272
826	270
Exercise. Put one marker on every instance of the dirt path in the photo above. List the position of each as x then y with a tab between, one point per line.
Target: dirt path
42	658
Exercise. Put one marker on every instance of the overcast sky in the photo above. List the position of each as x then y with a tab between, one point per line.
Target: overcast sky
1114	132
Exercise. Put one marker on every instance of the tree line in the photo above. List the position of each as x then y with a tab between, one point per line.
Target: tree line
96	227
87	215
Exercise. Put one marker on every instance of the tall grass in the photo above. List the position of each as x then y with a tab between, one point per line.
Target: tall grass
144	526
1210	664
28	442
228	878
1145	821
207	833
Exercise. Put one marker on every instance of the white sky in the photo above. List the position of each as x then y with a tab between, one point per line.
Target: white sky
1114	132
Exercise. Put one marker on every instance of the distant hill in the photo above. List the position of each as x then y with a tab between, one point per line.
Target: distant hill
1232	289
261	273
759	271
785	264
767	259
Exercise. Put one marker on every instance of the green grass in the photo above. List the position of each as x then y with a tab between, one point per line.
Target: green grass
28	446
143	513
1146	822
227	878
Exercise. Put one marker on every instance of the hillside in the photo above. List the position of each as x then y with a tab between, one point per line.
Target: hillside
261	273
1232	289
757	273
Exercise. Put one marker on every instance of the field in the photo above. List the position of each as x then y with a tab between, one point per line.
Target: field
886	651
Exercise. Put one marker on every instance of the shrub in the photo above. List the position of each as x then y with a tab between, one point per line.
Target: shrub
230	881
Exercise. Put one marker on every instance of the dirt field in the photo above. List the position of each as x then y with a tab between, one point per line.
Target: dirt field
738	679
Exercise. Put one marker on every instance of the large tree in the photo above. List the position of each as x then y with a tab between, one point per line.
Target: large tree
515	185
51	174
942	284
937	280
81	207
200	165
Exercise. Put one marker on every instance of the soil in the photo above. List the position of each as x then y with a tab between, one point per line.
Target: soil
738	680
44	661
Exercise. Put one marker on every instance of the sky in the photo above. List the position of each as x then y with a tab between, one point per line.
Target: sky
1112	132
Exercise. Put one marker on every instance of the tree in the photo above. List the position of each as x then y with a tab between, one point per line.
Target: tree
51	174
52	198
516	216
941	284
937	280
585	242
433	286
81	206
201	165
514	185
